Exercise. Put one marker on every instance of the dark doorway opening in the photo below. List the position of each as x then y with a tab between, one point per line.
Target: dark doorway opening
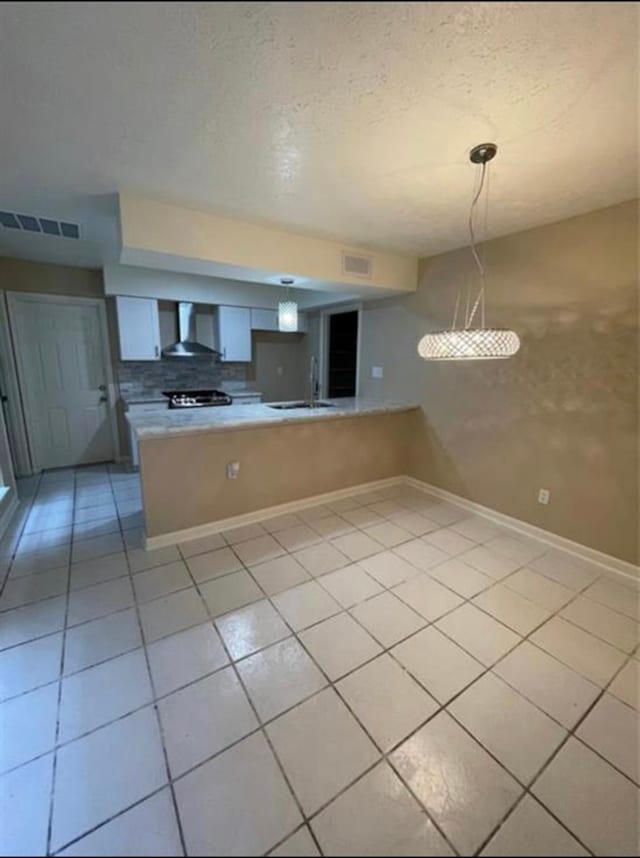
343	354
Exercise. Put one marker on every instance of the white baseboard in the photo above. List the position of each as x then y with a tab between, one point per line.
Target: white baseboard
610	563
606	561
201	530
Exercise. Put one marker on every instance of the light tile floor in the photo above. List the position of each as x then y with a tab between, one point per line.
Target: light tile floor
381	675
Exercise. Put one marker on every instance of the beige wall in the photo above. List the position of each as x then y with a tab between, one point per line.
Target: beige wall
184	481
563	413
19	275
174	236
273	351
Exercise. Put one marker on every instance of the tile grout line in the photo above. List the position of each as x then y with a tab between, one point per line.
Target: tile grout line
445	707
60	681
384	650
385	589
495	581
384	755
207	675
570	734
306	628
331	685
153	702
113	817
20	532
259	721
440	708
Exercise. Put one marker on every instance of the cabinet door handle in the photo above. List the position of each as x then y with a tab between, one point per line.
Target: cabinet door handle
157	351
224	352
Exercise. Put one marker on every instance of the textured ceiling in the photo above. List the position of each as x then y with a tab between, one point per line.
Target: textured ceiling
350	120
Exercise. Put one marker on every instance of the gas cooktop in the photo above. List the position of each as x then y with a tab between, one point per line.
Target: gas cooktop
196	398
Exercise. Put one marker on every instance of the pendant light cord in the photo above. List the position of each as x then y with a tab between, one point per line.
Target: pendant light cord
480	299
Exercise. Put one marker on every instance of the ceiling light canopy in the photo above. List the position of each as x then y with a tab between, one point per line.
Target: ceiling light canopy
466	342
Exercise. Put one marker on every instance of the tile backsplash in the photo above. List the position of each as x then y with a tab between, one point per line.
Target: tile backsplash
148	378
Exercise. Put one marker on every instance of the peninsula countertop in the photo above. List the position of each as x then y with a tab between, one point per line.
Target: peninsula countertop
189	421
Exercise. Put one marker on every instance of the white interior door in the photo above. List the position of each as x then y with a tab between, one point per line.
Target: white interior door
61	357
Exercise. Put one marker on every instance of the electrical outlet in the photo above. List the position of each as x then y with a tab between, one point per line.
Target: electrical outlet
233	469
544	496
377	372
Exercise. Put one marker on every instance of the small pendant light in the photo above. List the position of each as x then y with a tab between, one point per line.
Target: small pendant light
467	342
287	310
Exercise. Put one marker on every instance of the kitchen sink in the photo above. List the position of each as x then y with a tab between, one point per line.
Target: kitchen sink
287	405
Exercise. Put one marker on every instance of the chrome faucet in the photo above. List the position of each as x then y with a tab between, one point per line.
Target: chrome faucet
313	381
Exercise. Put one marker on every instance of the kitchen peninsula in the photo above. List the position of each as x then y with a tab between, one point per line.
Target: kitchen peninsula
284	455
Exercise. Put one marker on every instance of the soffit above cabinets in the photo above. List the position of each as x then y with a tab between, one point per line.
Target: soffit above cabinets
175	286
157	234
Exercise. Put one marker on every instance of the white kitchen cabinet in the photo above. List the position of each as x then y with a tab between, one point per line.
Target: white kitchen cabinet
264	320
267	320
234	334
138	328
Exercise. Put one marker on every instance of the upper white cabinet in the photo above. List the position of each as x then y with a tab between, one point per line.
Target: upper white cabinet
264	320
234	334
267	320
138	328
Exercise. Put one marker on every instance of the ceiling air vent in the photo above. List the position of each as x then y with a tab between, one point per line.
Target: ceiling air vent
43	225
357	265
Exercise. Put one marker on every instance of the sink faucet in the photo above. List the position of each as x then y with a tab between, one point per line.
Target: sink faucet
313	381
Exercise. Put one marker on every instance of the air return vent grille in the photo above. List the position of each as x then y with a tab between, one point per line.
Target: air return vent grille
356	264
43	225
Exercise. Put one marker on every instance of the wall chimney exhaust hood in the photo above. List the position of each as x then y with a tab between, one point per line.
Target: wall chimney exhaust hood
187	345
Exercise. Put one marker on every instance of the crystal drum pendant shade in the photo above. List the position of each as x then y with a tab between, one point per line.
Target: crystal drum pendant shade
287	310
469	344
466	342
287	316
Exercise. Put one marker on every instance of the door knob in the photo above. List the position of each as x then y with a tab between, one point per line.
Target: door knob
102	387
103	398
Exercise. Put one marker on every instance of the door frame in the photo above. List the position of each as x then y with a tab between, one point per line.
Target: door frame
15	423
15	298
324	343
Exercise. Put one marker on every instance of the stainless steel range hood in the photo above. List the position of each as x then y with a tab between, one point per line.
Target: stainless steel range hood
187	345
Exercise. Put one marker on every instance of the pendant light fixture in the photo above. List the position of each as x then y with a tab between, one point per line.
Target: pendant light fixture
287	310
466	342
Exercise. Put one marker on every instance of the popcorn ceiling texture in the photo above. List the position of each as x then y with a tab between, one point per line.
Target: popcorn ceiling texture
350	119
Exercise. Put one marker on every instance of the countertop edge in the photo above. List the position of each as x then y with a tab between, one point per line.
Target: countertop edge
369	410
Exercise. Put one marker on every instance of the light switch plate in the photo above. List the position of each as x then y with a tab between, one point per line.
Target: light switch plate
377	372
